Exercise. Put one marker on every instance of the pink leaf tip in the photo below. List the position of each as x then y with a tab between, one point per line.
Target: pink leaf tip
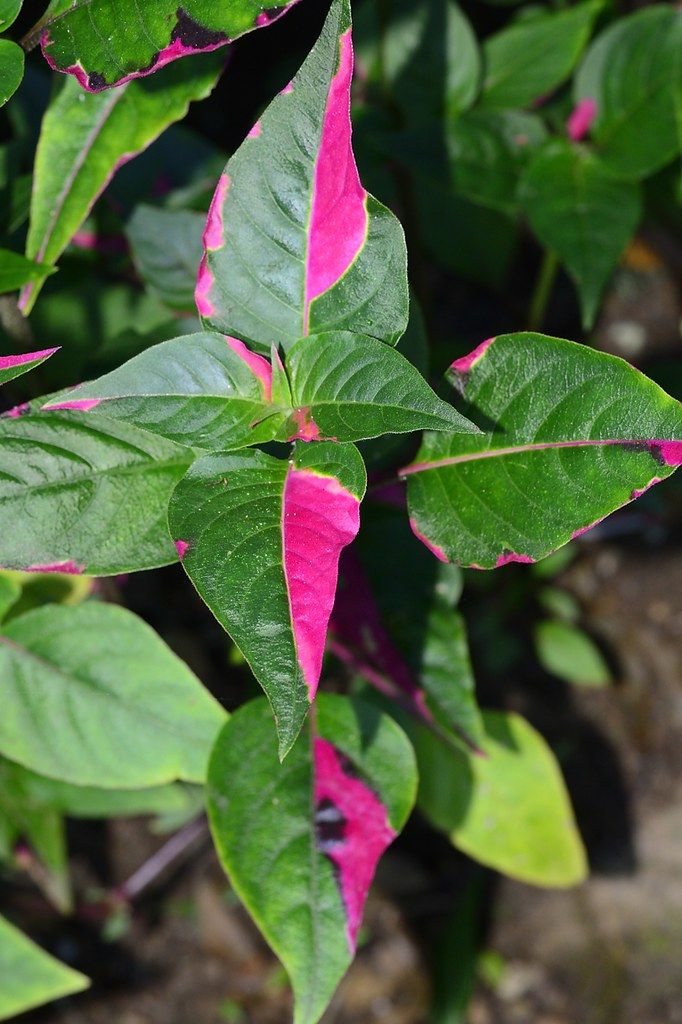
581	119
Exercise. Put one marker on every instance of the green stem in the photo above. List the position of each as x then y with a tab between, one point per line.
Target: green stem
542	292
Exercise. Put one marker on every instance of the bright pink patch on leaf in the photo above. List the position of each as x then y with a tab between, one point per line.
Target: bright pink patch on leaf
77	405
512	556
319	518
260	367
255	131
465	363
203	289
17	411
182	547
67	568
9	362
669	451
352	830
338	223
433	548
306	427
581	119
213	232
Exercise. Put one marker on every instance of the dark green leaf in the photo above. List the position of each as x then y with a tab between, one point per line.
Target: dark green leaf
11	69
166	247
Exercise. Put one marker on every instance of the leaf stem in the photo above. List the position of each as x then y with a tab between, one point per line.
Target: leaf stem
171	851
542	291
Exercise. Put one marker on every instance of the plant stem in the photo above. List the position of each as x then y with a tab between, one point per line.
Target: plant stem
543	290
171	851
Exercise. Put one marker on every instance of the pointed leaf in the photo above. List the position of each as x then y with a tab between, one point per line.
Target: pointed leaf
632	74
31	977
203	390
85	139
301	840
104	44
581	212
349	387
569	653
294	245
81	495
16	270
260	539
530	58
571	434
509	809
94	697
14	366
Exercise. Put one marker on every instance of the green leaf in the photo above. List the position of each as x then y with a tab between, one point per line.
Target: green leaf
353	387
581	212
167	249
508	809
571	434
9	11
527	60
85	495
260	539
202	390
300	841
16	270
430	58
30	977
84	139
103	44
11	69
10	592
14	366
570	654
93	696
634	73
293	247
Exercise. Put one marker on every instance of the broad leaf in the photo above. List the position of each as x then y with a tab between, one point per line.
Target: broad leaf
14	366
11	69
16	270
527	60
571	434
166	248
349	387
103	43
31	977
509	809
633	74
9	11
570	654
85	495
85	139
581	212
294	245
300	841
260	538
93	696
203	390
395	625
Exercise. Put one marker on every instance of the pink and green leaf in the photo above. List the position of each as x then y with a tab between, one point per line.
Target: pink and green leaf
294	245
301	840
103	44
14	366
570	435
261	539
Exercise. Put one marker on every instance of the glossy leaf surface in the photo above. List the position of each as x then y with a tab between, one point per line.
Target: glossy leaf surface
294	245
301	840
15	366
571	434
260	538
11	69
85	495
93	696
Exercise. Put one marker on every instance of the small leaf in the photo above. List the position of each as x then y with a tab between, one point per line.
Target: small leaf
570	654
293	246
11	69
86	496
104	45
260	538
581	212
93	696
527	60
633	74
571	434
9	12
14	366
351	387
203	390
84	139
509	809
30	977
301	840
167	249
